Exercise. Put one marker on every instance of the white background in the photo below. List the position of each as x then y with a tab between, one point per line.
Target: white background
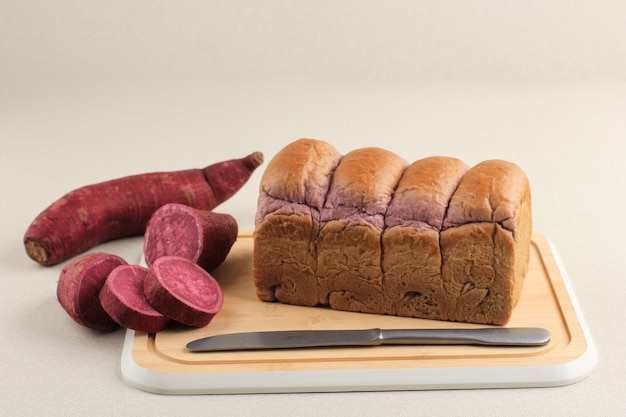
96	90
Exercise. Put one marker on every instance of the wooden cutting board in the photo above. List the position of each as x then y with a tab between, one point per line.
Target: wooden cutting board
160	363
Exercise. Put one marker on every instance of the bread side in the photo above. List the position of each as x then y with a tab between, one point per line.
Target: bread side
349	244
485	243
292	192
411	255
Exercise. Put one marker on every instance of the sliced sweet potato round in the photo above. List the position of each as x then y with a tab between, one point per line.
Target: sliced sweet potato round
79	287
183	291
202	236
122	297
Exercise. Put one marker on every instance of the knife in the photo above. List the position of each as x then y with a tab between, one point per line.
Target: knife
489	336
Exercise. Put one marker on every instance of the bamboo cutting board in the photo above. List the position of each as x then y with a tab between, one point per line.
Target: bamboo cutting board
160	363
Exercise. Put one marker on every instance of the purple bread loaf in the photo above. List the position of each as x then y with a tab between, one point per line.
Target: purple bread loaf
368	232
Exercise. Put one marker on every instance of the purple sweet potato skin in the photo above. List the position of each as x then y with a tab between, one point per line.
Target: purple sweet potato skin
220	233
79	287
183	291
227	177
89	215
122	297
202	236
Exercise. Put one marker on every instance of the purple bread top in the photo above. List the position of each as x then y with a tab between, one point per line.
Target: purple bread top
491	191
362	186
310	177
300	173
267	204
424	191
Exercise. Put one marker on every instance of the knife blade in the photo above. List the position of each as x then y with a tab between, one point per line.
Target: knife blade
289	339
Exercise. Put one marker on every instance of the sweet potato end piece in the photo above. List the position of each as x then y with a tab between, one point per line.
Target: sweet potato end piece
36	251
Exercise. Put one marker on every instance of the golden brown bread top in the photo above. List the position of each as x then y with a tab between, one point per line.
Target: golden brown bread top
430	182
376	181
491	191
366	178
300	172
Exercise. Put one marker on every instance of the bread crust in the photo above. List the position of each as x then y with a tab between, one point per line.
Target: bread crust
492	191
300	173
365	180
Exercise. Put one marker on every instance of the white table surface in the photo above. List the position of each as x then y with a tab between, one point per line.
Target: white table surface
76	120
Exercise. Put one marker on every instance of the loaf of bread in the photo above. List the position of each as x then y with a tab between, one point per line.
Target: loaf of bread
369	232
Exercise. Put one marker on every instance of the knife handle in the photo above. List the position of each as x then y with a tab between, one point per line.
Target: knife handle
492	336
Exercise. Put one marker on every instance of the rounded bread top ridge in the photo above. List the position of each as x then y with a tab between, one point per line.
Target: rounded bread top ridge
424	192
301	172
437	192
365	180
491	191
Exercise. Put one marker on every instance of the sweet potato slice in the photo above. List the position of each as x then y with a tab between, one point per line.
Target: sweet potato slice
79	287
181	290
202	236
122	297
